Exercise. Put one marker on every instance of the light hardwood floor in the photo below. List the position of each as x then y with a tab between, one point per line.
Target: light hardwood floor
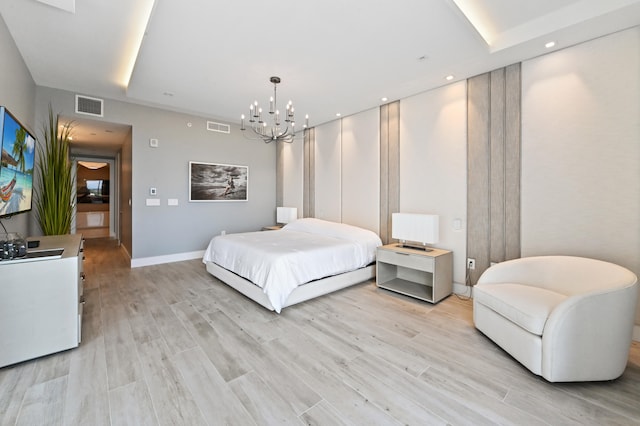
171	345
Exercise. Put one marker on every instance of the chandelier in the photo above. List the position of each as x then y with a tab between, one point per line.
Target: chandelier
276	131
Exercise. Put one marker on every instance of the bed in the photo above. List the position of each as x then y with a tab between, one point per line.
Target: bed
305	259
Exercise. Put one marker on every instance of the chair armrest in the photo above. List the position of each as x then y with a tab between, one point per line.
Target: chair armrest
587	337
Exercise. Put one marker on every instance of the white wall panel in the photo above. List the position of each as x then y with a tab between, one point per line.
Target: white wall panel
433	167
293	175
581	151
328	172
361	170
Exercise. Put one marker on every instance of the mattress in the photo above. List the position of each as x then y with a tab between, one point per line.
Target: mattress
305	250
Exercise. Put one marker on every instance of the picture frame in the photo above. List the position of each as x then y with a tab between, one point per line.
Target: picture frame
213	182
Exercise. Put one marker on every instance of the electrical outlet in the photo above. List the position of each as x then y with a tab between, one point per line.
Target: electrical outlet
471	263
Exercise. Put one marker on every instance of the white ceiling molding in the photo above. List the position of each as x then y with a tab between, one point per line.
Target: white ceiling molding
505	24
142	16
66	5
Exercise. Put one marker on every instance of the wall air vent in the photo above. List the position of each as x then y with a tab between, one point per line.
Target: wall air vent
89	106
218	127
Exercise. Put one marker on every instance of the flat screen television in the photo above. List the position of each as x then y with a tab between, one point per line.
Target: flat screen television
18	147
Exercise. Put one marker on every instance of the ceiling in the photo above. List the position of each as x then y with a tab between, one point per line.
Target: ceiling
213	58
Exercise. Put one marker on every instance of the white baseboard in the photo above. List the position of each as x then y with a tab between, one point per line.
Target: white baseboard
462	290
169	258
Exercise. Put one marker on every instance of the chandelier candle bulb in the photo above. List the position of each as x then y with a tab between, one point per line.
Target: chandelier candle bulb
271	105
242	122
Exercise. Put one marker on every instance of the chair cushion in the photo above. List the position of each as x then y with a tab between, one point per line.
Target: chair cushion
529	307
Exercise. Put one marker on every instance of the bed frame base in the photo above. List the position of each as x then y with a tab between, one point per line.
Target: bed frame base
301	293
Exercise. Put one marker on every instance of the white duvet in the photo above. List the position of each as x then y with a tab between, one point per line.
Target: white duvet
305	250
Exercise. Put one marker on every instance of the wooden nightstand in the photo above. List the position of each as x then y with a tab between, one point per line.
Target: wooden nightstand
425	275
272	228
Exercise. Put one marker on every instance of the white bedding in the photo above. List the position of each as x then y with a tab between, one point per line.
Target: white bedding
305	250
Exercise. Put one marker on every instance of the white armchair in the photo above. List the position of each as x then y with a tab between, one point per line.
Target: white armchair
564	318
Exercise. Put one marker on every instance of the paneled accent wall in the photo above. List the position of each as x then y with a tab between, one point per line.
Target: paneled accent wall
342	170
308	198
290	175
327	171
389	167
360	170
493	162
581	152
433	164
280	169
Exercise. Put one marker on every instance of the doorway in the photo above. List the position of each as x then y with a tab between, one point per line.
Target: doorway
95	216
104	207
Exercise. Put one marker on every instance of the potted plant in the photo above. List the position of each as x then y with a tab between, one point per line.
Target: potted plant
55	187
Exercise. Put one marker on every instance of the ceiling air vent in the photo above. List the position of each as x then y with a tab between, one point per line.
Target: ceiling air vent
218	127
89	106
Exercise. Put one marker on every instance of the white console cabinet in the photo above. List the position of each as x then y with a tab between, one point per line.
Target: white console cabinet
425	275
41	300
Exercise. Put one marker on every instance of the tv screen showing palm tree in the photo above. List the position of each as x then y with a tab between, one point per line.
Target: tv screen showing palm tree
18	147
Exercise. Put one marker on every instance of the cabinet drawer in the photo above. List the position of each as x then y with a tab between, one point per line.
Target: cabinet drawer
419	262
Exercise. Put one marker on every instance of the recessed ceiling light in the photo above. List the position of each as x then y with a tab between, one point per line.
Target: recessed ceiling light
385	99
338	114
550	44
449	77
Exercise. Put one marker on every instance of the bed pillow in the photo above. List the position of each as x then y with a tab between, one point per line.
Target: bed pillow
336	230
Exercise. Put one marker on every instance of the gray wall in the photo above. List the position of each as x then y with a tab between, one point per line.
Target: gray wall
183	230
17	94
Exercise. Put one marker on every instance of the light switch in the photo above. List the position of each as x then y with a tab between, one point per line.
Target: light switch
153	191
153	143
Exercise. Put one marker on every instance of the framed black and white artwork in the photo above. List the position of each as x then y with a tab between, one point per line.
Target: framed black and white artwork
218	182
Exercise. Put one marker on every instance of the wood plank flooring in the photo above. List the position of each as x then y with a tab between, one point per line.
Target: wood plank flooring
171	345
